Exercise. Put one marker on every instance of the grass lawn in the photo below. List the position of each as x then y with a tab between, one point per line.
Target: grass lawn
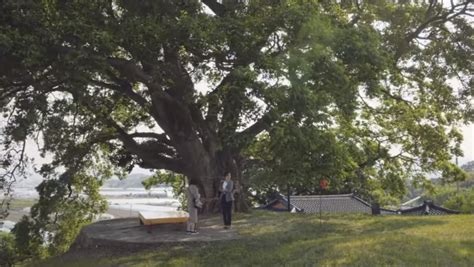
22	203
276	239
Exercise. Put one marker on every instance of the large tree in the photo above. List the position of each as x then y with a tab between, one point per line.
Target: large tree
186	86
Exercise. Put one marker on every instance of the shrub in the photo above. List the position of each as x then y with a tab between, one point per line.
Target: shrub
464	201
8	252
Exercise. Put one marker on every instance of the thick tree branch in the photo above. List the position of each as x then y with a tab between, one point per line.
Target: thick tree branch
125	89
155	154
215	6
159	137
213	100
182	86
39	84
439	18
150	159
133	72
257	127
396	97
232	101
182	90
130	70
162	102
155	147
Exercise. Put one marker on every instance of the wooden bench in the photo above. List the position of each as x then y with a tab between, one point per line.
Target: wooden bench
150	218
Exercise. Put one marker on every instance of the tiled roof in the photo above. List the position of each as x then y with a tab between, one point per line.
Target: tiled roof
387	211
280	204
328	203
347	203
331	203
427	208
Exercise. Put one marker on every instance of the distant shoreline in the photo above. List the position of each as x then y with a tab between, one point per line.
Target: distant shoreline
161	191
123	203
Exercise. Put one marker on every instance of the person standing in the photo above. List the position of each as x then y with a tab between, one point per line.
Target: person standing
194	203
227	197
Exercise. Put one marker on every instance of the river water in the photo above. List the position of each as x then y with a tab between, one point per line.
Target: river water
123	202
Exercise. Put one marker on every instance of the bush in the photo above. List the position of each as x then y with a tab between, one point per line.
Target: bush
464	201
440	195
8	253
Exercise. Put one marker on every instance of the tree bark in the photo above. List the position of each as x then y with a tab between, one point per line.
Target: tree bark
208	172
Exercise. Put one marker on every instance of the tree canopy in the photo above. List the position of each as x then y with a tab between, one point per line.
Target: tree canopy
364	93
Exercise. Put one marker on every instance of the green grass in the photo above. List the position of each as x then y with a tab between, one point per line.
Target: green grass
282	239
22	203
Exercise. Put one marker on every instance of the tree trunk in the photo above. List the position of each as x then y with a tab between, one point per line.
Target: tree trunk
241	186
208	173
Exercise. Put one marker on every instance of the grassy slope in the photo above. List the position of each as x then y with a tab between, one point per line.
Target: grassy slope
298	240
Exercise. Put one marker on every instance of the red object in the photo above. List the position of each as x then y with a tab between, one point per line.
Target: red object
323	183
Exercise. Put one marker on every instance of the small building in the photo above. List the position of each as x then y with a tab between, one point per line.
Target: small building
345	203
427	208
